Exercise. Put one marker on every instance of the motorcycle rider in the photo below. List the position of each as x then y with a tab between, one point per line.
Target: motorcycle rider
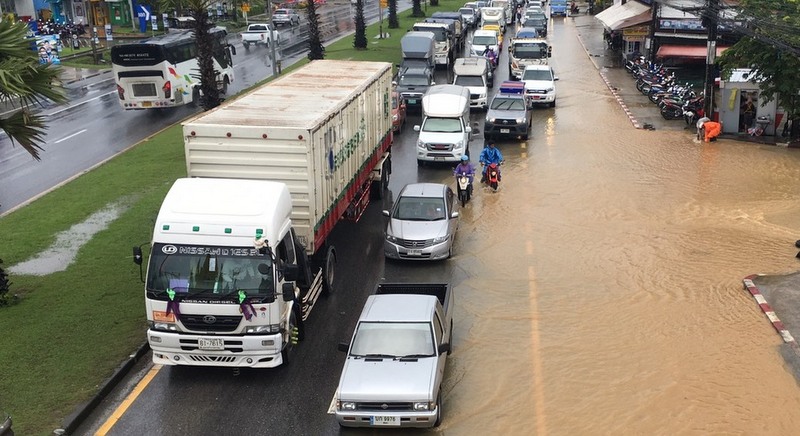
490	155
466	167
492	56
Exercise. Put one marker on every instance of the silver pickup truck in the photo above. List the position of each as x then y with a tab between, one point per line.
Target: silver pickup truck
392	376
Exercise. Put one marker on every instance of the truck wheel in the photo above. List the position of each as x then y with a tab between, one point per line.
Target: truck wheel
288	350
246	45
329	271
380	187
225	83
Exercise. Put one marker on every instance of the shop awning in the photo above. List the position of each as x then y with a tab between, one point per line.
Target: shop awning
625	15
685	51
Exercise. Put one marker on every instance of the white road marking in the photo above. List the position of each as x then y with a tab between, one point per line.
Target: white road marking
70	136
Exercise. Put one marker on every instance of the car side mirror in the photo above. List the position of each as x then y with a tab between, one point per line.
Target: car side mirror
433	82
555	78
416	128
343	346
291	272
287	291
454	215
385	213
137	255
444	348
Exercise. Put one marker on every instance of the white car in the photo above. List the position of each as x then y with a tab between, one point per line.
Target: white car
540	85
482	40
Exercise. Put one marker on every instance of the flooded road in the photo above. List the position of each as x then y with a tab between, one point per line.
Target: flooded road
599	291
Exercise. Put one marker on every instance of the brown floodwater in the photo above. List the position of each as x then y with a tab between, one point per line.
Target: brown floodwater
604	281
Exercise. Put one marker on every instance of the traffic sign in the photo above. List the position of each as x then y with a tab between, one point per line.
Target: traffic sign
384	3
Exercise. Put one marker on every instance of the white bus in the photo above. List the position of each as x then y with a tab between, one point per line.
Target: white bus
162	72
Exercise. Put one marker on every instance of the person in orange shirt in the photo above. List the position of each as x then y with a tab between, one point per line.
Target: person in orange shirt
712	130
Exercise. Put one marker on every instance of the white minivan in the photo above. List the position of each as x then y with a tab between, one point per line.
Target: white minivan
445	131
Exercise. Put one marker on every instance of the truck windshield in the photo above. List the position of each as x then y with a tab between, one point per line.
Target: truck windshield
484	40
190	270
508	103
530	50
413	81
469	81
393	339
442	125
438	32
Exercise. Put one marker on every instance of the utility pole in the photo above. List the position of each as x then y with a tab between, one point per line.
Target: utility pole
273	40
710	20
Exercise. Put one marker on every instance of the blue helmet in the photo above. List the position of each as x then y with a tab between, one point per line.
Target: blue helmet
464	158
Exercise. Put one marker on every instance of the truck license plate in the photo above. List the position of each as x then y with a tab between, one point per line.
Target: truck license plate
147	103
211	344
505	130
415	252
412	102
384	420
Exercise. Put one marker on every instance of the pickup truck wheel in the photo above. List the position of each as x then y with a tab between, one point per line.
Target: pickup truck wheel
225	83
329	271
451	338
246	45
438	409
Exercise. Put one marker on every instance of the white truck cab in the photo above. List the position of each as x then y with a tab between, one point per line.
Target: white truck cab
472	73
445	131
444	41
494	15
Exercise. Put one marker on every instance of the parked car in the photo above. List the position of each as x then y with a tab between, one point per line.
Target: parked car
398	112
282	17
422	223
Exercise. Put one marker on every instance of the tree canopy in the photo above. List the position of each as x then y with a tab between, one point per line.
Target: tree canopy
24	84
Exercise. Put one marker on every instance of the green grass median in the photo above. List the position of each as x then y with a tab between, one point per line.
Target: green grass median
69	330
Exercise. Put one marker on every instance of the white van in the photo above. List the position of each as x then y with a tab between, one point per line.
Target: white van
472	73
445	131
494	16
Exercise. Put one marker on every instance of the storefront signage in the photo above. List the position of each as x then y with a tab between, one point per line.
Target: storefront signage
680	24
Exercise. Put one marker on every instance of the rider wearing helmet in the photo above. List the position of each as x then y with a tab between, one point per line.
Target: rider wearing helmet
465	167
490	155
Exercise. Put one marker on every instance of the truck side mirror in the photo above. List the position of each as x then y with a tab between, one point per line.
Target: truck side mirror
444	348
233	49
287	291
343	346
291	272
137	255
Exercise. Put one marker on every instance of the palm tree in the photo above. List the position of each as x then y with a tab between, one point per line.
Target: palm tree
202	25
360	38
315	48
24	84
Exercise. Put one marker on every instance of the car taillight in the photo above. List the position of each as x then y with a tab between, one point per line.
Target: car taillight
167	88
121	92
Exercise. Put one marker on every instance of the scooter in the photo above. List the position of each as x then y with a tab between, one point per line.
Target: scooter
464	188
493	175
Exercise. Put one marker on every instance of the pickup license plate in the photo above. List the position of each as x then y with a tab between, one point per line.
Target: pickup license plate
438	158
211	344
536	97
384	420
505	130
415	252
412	101
147	103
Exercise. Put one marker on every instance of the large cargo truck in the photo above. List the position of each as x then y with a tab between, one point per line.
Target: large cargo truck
239	251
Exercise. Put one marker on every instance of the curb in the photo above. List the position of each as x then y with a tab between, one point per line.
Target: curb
767	309
72	422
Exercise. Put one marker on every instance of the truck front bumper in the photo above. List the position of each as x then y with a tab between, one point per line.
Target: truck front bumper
397	419
250	351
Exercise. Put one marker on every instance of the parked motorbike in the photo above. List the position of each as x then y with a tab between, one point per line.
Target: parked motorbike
464	188
693	110
493	175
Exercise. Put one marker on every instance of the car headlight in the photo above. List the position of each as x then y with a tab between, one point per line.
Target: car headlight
347	405
482	96
421	144
520	120
459	144
390	238
163	326
262	329
490	120
422	406
514	64
550	89
440	239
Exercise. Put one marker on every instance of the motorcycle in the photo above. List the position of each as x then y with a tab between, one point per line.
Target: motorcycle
464	188
493	175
